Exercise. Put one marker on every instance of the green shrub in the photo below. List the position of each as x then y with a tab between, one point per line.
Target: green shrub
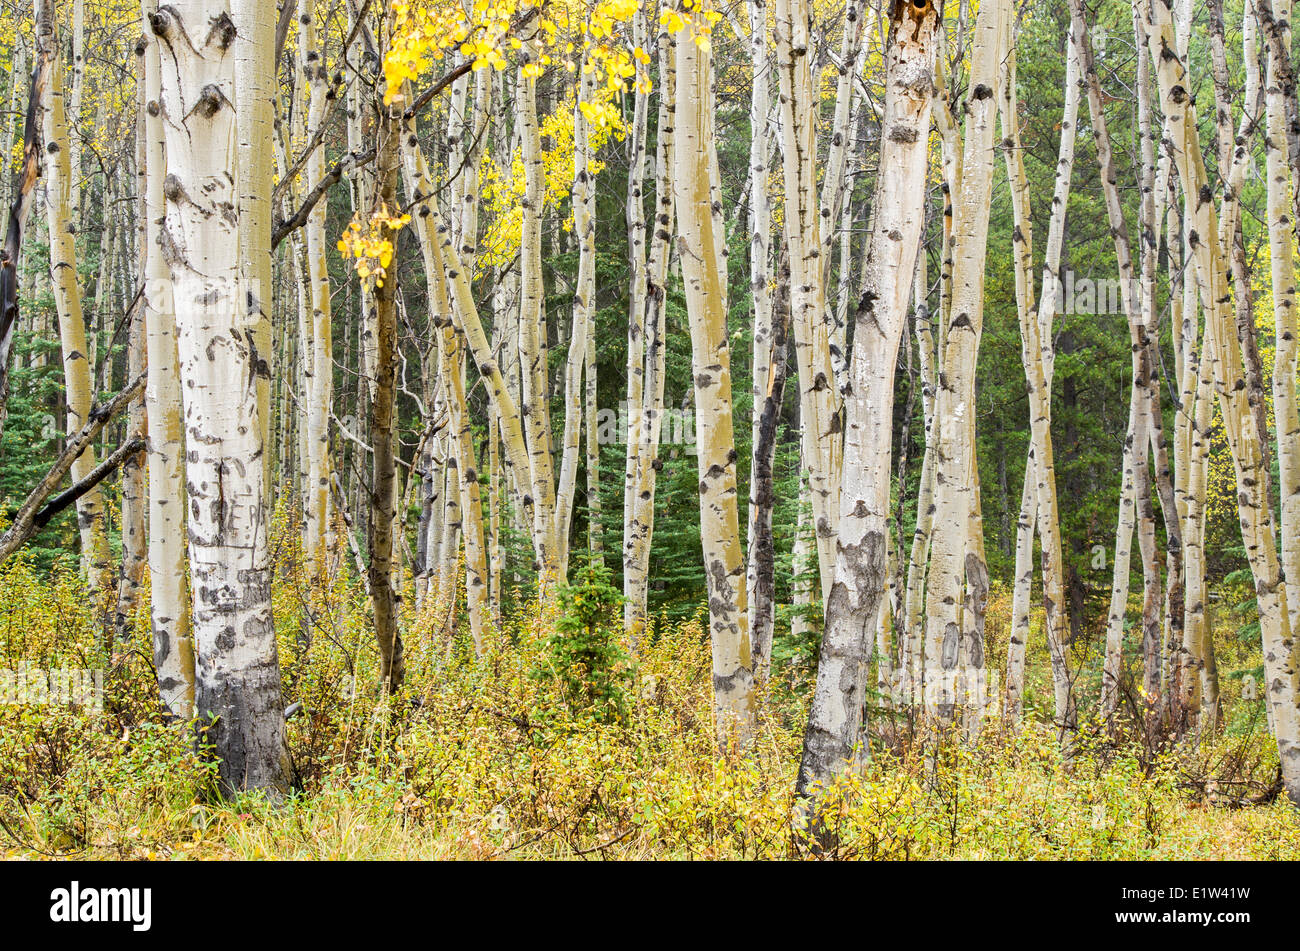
582	655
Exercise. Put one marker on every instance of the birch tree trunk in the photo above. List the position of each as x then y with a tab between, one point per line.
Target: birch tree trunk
834	203
584	221
1150	213
910	649
17	75
477	582
852	610
1282	670
580	341
238	674
759	577
951	560
733	678
505	410
820	403
645	417
1039	503
255	93
471	506
532	332
67	297
1142	396
319	395
135	500
169	605
1112	665
1286	360
20	205
638	225
75	95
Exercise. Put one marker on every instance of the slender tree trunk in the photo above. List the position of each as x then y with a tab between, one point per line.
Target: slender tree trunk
584	226
760	579
505	410
910	649
75	95
466	470
638	224
1039	504
645	416
256	89
173	646
733	678
19	207
319	394
462	461
1151	212
95	559
820	402
1143	394
852	610
17	76
135	499
835	199
1286	359
1282	669
951	559
532	331
383	422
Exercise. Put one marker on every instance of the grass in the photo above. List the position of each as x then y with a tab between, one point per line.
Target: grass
492	758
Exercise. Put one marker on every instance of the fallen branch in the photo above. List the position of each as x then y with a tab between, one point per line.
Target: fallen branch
25	522
96	476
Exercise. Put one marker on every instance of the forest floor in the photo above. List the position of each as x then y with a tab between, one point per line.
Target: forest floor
497	758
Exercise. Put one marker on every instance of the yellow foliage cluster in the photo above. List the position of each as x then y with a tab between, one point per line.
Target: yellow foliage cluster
567	34
502	191
692	14
425	32
370	243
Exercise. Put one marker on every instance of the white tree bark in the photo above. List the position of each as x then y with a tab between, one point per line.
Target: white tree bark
733	679
173	646
1282	669
952	562
759	583
852	610
645	415
319	393
221	369
1286	360
532	330
1039	504
67	296
820	402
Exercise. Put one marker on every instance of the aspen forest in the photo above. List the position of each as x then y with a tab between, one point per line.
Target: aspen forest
649	429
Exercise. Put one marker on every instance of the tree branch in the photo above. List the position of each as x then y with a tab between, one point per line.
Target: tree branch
96	476
349	162
24	523
431	93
